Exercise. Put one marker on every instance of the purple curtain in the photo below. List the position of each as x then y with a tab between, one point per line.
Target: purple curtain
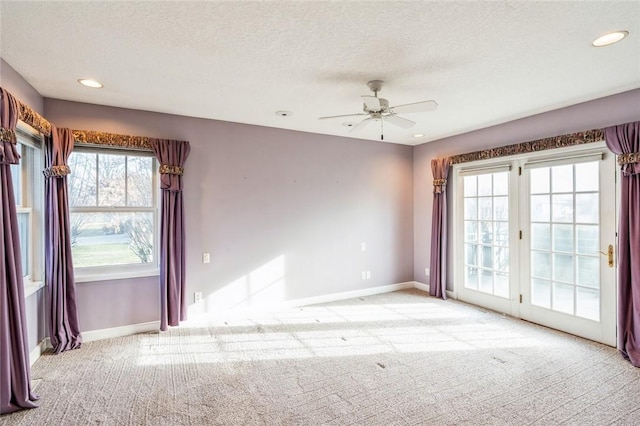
438	272
171	155
624	140
15	386
64	330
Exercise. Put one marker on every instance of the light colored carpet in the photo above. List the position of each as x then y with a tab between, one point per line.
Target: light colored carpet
391	359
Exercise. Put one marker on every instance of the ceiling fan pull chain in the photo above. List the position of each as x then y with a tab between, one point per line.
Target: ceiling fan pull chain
381	130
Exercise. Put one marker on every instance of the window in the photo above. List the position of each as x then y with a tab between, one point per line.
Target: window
113	212
27	187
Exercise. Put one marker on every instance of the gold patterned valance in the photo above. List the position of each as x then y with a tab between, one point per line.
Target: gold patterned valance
56	171
112	140
34	119
7	135
630	158
562	141
166	169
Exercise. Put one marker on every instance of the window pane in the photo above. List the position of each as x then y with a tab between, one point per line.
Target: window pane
563	238
82	180
111	180
587	176
540	236
540	180
501	258
25	240
139	181
540	208
501	183
484	184
487	256
111	238
587	207
562	208
470	186
502	284
486	232
562	178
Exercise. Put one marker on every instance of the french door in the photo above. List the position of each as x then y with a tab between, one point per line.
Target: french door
538	240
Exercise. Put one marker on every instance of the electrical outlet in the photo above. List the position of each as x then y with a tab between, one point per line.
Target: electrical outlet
197	297
363	246
206	258
364	275
426	271
368	275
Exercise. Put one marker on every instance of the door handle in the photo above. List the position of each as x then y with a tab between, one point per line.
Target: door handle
609	254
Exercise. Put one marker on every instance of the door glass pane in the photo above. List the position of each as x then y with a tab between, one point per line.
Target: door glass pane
587	208
501	183
588	271
563	238
541	293
470	186
484	185
540	264
562	178
563	298
587	177
540	236
587	239
563	268
588	303
540	181
562	208
486	216
540	208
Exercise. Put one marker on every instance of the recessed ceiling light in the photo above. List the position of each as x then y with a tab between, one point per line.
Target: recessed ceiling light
418	135
283	113
610	38
90	83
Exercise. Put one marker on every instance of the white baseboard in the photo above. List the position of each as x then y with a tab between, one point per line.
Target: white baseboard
126	330
36	352
106	333
334	297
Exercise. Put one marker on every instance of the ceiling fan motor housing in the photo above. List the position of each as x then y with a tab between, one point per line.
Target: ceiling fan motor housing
384	106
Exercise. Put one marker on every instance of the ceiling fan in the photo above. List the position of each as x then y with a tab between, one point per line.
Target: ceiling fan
378	109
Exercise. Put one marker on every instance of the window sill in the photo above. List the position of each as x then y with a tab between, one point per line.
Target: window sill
106	275
31	287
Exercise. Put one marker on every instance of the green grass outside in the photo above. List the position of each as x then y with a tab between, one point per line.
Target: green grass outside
102	255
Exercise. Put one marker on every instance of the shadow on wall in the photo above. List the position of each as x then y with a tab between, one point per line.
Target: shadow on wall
262	288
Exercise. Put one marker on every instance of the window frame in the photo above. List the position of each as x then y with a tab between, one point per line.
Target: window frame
31	202
122	271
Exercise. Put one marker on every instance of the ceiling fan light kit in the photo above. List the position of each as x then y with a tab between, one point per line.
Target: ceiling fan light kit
378	109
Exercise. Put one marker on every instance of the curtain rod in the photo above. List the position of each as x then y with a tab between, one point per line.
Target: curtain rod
38	122
572	139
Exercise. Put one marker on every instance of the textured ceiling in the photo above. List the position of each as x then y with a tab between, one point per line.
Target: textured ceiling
483	62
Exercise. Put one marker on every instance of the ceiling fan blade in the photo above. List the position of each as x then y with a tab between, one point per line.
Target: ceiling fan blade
399	121
341	116
372	103
423	106
361	125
